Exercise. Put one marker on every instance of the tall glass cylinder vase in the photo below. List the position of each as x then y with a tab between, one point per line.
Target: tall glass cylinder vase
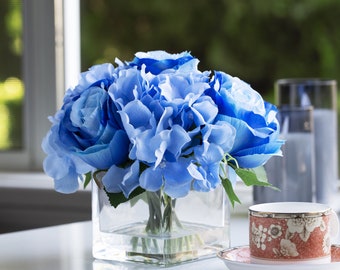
294	171
154	228
322	95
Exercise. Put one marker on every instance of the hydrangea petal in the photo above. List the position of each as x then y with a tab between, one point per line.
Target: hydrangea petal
128	83
210	175
135	118
113	178
205	111
151	179
177	179
95	74
123	180
177	139
143	149
209	153
56	167
68	184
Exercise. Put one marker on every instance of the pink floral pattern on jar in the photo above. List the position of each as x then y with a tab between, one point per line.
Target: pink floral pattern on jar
295	238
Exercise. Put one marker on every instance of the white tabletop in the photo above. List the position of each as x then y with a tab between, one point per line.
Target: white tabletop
68	247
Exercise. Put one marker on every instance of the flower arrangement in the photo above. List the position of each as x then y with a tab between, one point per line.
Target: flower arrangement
159	123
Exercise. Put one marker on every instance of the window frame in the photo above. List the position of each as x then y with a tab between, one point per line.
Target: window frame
43	69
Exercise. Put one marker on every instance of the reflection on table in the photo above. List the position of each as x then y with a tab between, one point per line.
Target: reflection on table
68	247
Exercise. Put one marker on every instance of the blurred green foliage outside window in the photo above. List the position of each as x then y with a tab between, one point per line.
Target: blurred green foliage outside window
11	85
259	41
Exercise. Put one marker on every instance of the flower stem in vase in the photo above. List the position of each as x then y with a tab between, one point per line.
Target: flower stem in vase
161	222
167	234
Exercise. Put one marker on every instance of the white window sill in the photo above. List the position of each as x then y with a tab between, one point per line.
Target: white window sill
29	180
25	180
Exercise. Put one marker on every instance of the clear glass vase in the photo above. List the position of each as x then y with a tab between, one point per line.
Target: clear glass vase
154	228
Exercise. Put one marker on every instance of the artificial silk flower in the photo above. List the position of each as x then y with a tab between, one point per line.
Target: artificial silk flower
158	122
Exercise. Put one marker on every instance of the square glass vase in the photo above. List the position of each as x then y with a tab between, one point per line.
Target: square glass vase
147	229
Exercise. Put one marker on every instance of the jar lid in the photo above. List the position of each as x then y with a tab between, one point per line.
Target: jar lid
289	210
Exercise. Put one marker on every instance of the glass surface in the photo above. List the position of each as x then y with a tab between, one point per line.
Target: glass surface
293	173
11	85
322	95
202	228
68	247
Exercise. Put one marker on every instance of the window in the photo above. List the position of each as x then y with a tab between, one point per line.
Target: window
11	86
47	28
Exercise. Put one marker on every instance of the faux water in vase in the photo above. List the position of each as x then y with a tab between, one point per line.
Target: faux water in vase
153	228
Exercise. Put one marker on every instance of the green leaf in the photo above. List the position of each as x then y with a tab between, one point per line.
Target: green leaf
133	201
118	198
228	187
254	177
260	173
88	178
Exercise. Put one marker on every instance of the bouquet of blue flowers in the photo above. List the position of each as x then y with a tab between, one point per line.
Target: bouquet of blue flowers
159	123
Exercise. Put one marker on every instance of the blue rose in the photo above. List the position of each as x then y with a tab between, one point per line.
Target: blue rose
86	132
254	120
156	62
